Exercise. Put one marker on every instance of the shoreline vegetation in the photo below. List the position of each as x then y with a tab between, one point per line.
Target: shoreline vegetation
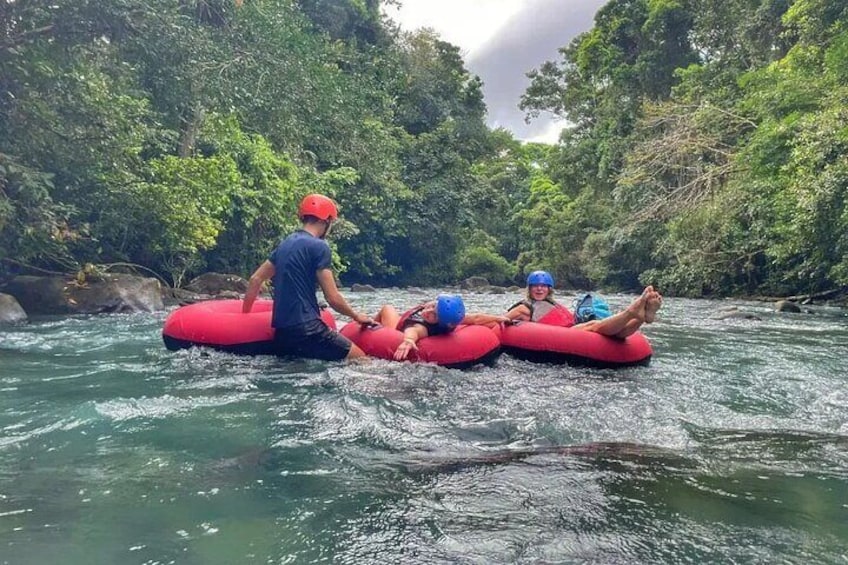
170	138
26	296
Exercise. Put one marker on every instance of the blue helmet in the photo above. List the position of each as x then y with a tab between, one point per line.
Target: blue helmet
449	309
540	277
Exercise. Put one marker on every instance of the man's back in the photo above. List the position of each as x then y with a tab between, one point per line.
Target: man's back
296	261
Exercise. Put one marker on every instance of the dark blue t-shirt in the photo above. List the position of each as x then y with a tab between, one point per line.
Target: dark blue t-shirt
296	260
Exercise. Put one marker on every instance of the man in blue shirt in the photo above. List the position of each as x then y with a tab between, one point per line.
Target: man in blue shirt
299	262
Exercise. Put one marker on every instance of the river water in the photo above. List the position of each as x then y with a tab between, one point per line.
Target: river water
732	447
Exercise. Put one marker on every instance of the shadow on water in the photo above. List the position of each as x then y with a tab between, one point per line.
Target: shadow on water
784	451
788	451
602	454
731	447
596	502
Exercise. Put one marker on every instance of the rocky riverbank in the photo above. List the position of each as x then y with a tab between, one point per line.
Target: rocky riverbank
25	295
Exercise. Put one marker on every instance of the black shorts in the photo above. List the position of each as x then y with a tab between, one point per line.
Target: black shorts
313	340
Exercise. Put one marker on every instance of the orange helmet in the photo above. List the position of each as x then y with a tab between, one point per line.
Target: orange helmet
319	206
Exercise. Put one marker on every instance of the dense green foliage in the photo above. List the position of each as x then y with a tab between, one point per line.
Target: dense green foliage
709	143
707	150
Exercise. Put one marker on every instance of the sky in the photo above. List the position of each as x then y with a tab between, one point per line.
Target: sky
502	40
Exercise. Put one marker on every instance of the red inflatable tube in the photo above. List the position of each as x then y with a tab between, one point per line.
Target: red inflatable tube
557	344
462	348
220	324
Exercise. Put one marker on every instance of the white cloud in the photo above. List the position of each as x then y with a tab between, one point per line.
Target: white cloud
550	133
467	24
502	40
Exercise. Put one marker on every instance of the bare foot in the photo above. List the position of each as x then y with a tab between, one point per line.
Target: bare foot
638	307
652	305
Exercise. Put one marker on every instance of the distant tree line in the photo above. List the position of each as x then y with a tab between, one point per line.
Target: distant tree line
706	148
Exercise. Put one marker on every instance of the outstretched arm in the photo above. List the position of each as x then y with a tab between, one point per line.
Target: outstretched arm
259	276
520	312
335	299
411	335
481	319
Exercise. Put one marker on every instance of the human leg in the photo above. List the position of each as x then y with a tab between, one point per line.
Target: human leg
388	316
355	353
315	341
622	324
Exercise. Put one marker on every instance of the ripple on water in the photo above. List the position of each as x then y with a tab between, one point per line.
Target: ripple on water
729	447
160	407
29	430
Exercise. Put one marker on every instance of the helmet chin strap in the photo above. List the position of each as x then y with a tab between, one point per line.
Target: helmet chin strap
327	224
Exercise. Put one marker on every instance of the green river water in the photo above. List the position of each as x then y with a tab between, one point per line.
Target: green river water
731	447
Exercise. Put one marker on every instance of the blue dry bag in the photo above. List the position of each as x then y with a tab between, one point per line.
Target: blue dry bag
588	307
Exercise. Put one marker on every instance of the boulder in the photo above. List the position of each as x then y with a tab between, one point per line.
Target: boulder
474	283
110	293
362	288
736	315
787	306
10	310
216	283
182	297
40	295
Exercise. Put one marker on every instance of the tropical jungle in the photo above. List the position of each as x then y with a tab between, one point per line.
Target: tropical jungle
706	147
